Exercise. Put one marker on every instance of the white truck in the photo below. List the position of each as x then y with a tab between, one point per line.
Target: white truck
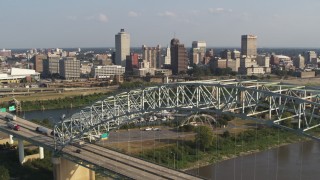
44	130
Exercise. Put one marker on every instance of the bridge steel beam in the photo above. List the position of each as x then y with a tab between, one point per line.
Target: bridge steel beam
272	103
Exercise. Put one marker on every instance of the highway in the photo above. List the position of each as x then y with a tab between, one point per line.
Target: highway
96	155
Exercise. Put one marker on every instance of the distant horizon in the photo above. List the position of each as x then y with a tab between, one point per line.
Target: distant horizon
136	47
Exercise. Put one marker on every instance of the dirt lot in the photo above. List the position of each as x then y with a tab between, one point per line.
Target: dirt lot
302	81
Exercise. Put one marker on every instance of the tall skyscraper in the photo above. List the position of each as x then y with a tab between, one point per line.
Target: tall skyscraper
122	40
167	57
248	45
179	60
198	51
152	55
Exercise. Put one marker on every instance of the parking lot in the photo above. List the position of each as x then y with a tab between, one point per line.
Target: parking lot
133	135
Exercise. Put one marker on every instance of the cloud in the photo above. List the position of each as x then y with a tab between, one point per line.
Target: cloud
73	18
103	18
219	10
133	14
167	14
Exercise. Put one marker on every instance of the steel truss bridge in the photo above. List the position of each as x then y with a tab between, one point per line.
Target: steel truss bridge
290	107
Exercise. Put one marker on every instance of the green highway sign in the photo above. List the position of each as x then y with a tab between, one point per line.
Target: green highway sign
12	108
105	135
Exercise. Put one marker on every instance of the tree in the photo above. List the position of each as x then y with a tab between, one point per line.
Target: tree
204	136
226	134
4	173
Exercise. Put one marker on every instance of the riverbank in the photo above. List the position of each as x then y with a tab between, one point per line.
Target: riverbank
203	163
186	155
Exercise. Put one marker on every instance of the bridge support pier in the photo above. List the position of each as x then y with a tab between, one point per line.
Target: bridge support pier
41	153
21	151
10	139
65	169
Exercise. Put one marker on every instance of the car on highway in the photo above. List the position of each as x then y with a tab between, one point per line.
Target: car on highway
148	129
78	151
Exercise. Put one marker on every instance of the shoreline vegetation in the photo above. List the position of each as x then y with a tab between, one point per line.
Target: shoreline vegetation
190	154
61	103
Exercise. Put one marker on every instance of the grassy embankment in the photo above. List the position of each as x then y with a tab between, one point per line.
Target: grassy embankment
185	153
60	103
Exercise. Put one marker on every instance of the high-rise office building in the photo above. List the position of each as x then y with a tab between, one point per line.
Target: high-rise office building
179	60
152	55
248	45
70	68
51	66
38	62
235	54
122	41
167	57
198	51
226	54
132	62
299	61
310	57
263	60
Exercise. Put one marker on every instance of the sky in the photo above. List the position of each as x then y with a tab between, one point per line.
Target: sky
94	23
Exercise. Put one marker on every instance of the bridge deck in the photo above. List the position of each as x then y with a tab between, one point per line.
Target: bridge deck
96	155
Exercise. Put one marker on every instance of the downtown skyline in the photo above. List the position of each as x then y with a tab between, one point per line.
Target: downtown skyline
285	23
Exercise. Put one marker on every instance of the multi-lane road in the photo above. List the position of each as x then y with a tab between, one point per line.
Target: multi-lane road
96	155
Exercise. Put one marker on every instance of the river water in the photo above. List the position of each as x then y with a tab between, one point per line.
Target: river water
299	161
53	115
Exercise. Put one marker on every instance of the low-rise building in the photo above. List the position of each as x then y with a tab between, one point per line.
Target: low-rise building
142	72
164	72
15	75
305	74
102	72
257	70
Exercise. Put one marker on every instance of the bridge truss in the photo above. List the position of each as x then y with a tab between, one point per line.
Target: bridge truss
292	107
